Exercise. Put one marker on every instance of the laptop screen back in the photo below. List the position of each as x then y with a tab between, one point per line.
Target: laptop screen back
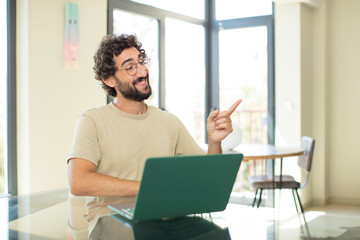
182	185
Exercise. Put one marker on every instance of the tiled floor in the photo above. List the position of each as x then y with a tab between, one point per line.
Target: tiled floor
326	222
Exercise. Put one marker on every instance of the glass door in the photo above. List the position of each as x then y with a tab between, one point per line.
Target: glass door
243	73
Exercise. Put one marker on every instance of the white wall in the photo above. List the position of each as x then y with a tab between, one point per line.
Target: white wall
50	98
344	71
325	47
288	74
319	190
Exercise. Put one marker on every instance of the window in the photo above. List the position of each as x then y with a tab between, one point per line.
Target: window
243	72
246	65
165	36
208	61
185	75
146	29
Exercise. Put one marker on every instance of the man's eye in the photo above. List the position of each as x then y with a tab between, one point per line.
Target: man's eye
130	68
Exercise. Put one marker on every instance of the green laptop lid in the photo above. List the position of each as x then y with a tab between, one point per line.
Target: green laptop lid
183	185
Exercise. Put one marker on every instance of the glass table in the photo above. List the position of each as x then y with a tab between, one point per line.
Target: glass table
59	215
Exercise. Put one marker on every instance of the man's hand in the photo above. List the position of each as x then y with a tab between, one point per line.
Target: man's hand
219	124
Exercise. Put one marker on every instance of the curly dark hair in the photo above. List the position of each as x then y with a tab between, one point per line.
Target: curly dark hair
112	45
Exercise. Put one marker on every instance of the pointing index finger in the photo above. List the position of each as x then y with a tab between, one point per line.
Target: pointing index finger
234	106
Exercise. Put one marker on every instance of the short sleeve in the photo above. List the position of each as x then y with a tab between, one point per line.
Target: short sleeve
86	141
186	144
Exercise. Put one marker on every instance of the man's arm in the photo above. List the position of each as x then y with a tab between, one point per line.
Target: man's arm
85	181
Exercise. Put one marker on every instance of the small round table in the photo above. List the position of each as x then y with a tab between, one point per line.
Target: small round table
266	151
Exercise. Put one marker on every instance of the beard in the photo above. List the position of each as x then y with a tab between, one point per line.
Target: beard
129	91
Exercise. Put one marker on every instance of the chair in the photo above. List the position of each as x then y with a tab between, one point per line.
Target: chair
285	181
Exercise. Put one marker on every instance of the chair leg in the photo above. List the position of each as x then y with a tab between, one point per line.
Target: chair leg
254	201
258	205
297	194
293	190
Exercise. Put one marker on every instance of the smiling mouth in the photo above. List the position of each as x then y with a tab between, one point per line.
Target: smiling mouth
141	80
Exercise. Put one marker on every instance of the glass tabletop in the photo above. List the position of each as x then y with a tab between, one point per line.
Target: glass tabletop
60	215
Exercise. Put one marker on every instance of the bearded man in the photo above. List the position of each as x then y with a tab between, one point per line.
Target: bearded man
111	143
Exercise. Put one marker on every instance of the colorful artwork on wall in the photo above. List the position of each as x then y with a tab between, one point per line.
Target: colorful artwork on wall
71	36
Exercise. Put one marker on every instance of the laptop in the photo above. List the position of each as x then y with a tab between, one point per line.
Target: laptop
182	185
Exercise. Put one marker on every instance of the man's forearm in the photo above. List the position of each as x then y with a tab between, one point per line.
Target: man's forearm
214	148
95	184
85	181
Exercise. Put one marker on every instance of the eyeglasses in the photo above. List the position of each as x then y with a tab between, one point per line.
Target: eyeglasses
132	68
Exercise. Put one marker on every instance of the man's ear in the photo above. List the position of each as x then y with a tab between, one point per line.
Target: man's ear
110	81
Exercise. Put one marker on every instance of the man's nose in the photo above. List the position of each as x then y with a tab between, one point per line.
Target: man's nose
142	70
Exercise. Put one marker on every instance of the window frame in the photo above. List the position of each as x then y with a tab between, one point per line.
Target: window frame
11	156
257	21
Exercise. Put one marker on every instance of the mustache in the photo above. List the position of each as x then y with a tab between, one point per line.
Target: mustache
140	79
